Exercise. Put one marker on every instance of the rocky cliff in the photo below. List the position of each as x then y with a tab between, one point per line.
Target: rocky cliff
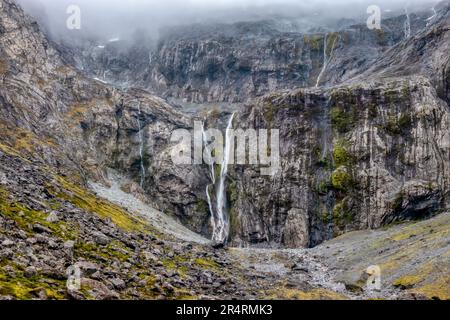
366	151
81	125
353	157
236	62
360	155
367	147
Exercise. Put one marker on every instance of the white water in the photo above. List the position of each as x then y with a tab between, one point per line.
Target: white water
208	151
212	177
100	80
326	60
430	19
141	147
211	208
221	223
407	25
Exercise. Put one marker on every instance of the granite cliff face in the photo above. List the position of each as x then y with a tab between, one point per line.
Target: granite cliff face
59	130
81	125
370	149
353	157
364	143
359	155
237	62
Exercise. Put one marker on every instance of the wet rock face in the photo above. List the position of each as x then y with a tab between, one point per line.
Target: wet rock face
237	62
359	155
83	127
120	62
352	158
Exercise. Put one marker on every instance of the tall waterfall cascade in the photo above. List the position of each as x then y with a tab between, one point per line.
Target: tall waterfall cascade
219	216
326	59
407	24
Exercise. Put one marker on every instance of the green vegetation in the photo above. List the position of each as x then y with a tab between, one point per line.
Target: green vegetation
181	264
89	202
286	293
15	284
418	283
373	111
406	91
177	263
341	179
233	192
341	119
113	251
235	223
313	41
201	206
26	218
323	186
342	213
407	282
399	125
398	202
323	161
269	112
21	142
341	156
206	263
437	290
332	40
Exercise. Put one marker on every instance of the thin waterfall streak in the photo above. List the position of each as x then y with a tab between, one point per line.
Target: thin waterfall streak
141	147
430	19
213	219
213	179
407	25
208	151
326	60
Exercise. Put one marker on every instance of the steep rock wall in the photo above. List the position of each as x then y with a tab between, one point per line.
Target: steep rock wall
352	158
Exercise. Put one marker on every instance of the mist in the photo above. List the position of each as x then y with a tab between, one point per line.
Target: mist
107	19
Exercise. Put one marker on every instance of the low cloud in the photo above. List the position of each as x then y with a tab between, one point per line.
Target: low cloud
118	18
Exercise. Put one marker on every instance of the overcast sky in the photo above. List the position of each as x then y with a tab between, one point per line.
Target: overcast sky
110	18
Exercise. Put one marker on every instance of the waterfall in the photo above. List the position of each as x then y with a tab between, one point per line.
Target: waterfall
208	151
212	176
221	232
219	219
211	209
141	147
326	60
407	25
430	19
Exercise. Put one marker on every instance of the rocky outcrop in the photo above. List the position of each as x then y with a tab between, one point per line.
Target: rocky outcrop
353	157
237	62
81	126
411	259
59	129
60	241
358	155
